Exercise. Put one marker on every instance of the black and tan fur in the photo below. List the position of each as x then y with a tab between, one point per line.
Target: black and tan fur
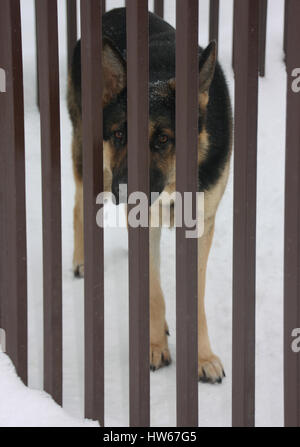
214	157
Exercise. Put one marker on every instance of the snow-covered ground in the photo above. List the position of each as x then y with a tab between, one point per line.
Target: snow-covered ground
19	406
23	407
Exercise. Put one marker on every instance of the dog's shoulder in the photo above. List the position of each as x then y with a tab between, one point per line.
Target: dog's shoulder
218	127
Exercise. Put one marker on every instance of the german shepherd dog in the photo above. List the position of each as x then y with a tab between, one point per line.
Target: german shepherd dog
214	149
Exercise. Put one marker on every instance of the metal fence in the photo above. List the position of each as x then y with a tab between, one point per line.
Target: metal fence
249	60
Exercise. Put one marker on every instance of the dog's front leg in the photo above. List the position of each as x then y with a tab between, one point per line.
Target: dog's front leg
210	368
159	351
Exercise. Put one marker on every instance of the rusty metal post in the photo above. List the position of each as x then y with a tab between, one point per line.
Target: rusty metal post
138	180
244	251
187	91
13	259
92	134
51	193
292	222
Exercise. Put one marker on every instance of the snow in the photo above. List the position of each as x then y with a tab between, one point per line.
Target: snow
214	401
22	407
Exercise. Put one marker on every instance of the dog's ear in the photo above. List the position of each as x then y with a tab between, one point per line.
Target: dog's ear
207	65
114	71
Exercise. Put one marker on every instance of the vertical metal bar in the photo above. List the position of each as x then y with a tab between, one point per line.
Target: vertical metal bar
292	223
2	218
13	220
92	134
234	37
51	194
187	91
2	235
71	28
37	60
286	14
2	171
263	9
214	20
244	253
103	6
138	180
159	7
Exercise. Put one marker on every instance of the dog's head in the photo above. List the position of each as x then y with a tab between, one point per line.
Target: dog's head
161	120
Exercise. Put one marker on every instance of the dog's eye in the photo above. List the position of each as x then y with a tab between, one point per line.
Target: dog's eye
160	142
163	139
119	135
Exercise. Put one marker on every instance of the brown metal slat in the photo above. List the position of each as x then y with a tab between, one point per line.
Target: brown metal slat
13	212
2	214
71	28
292	224
37	59
92	133
187	91
159	7
263	10
285	31
4	111
47	29
244	244
2	235
214	12
138	180
234	37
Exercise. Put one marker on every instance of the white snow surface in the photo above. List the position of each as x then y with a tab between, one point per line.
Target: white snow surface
20	406
23	407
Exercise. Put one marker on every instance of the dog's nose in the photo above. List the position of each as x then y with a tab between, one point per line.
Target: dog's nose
119	190
115	191
157	183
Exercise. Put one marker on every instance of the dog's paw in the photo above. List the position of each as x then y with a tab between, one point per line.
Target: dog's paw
210	370
79	271
159	355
